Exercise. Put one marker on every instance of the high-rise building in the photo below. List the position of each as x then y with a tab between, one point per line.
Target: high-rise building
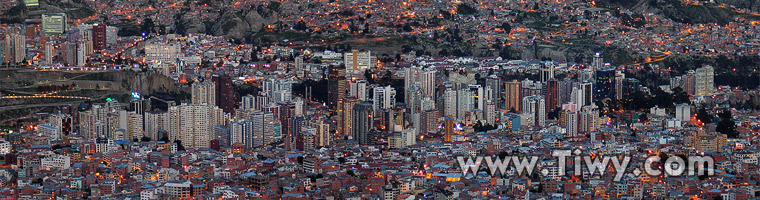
296	138
193	124
629	86
547	72
162	53
598	61
429	121
479	96
358	61
324	134
450	103
54	24
577	97
448	128
358	89
426	79
336	87
222	134
384	97
493	82
619	78
203	92
571	123
241	132
62	123
17	45
423	78
4	51
704	85
263	128
362	121
346	113
132	123
111	34
248	102
565	89
99	37
689	82
465	102
512	95
48	53
70	53
155	123
489	113
605	83
683	112
534	107
587	119
251	102
225	96
81	53
588	93
552	94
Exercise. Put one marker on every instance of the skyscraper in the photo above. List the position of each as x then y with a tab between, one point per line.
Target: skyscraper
99	37
70	53
547	71
571	123
222	134
384	97
346	113
605	83
54	24
203	92
534	107
577	97
619	77
683	112
193	123
81	53
704	85
358	61
362	121
565	89
241	132
598	61
17	45
513	96
629	86
48	53
427	81
689	82
448	128
464	103
336	86
493	82
450	103
263	128
358	89
224	94
155	122
424	78
588	93
552	94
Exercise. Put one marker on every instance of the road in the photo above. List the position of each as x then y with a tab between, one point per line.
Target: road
4	108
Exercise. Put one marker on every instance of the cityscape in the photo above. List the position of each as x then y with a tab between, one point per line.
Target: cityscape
379	99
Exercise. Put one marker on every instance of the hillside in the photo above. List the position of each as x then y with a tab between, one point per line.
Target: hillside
675	10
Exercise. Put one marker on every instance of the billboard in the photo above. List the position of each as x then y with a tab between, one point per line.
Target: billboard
29	3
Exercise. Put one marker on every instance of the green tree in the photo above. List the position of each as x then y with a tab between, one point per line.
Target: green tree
703	116
179	145
727	125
